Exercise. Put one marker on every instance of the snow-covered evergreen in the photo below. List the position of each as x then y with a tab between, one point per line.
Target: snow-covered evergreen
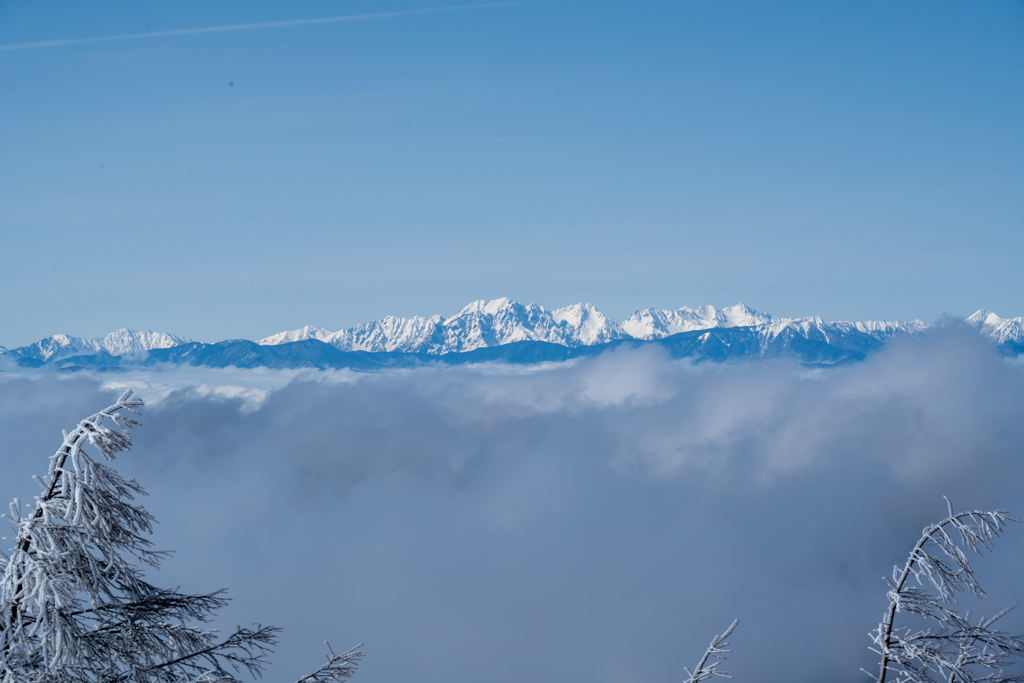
74	604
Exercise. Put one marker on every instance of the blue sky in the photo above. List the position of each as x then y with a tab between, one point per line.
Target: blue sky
849	160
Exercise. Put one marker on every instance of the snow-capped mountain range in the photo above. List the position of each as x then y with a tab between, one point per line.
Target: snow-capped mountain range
503	321
120	343
480	324
581	329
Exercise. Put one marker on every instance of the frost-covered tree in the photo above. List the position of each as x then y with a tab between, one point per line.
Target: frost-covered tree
707	667
950	648
74	604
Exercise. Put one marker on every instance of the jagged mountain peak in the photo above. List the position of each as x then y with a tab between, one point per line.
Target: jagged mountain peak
996	328
118	343
979	317
123	341
741	315
587	324
489	307
576	313
301	334
390	333
654	323
987	318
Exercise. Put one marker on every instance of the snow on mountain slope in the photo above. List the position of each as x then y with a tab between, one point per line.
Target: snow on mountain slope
123	342
887	327
590	326
307	332
480	324
654	323
815	328
497	322
485	324
503	321
389	334
119	343
58	346
999	330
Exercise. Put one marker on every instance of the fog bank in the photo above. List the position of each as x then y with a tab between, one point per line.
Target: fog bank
596	521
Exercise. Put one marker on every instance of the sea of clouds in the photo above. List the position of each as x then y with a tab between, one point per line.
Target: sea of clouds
592	521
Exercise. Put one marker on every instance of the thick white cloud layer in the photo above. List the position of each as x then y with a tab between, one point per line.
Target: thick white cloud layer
596	521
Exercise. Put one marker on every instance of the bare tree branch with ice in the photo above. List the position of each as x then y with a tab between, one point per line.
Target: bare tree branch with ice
952	649
716	651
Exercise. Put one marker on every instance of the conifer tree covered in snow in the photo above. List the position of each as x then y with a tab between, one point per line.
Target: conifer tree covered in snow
74	606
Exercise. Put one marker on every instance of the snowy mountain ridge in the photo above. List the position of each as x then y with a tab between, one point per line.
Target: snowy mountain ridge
119	343
504	321
495	327
999	330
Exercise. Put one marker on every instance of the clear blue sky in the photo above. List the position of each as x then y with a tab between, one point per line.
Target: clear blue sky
851	160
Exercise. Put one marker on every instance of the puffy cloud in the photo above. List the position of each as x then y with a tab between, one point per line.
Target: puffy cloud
599	520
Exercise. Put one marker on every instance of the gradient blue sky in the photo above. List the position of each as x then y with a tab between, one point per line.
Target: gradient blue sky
851	160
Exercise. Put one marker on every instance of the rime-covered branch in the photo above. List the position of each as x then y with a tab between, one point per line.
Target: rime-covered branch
953	650
74	604
338	667
716	651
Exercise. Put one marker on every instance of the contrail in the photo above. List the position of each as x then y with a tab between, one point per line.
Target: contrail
251	27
